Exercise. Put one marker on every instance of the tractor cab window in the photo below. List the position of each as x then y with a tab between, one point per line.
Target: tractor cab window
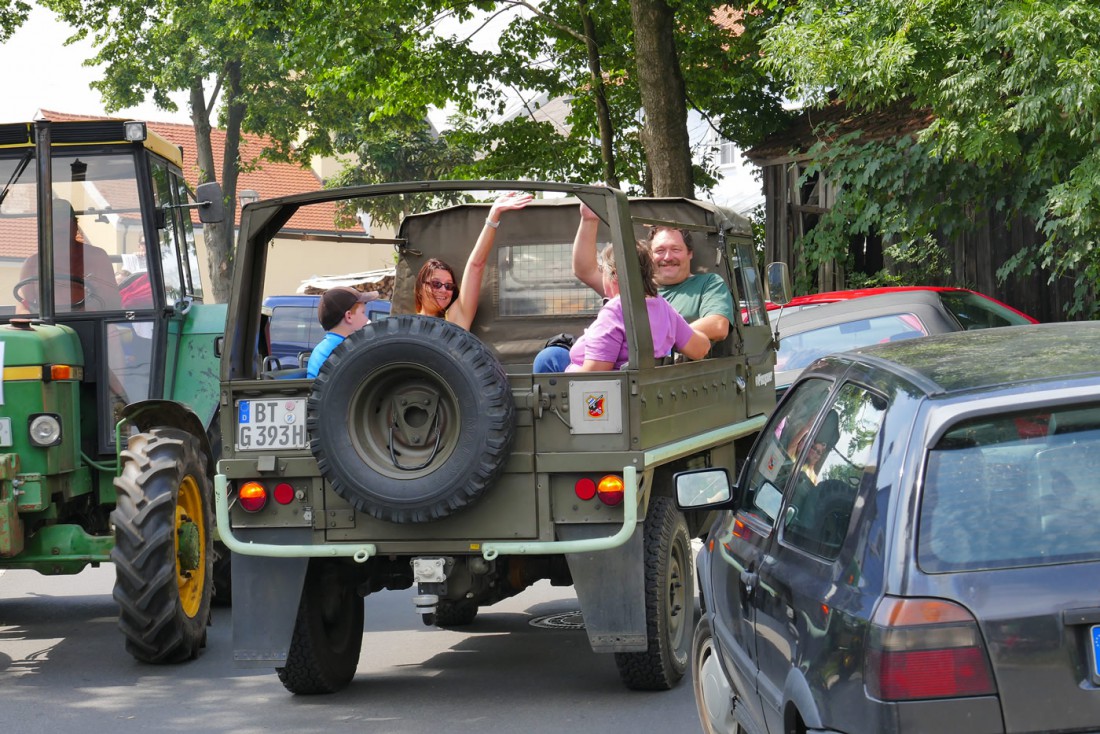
165	197
96	223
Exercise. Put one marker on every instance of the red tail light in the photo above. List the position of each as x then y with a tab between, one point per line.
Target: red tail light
925	648
252	496
585	488
284	493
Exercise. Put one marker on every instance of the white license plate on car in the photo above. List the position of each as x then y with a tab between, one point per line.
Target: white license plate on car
265	425
1094	641
5	431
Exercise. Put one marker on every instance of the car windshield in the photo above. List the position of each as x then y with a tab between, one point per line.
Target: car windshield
1019	489
799	350
973	311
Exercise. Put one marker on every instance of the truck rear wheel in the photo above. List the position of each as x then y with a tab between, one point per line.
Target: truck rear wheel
669	605
328	634
411	419
163	552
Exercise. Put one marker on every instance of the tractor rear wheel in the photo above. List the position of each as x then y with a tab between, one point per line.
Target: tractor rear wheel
163	552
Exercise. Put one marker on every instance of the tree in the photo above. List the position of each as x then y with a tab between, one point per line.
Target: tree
152	48
579	50
414	153
1015	105
12	15
661	84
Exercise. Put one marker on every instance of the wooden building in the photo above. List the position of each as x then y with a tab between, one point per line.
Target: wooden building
793	207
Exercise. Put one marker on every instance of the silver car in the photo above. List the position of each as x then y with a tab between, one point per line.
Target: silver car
912	544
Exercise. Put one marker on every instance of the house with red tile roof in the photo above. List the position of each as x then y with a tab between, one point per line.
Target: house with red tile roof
267	180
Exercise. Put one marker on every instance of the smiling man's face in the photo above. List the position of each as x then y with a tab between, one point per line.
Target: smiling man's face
671	257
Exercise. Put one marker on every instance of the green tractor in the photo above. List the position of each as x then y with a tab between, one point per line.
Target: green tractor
109	366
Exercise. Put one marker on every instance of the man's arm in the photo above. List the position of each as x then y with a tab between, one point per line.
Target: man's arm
715	326
715	309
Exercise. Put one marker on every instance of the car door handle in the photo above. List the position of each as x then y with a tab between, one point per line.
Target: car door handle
749	579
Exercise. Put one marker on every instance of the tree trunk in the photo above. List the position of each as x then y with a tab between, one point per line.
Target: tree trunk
217	237
603	113
661	82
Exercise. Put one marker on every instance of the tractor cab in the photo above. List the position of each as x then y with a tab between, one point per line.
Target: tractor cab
108	367
96	234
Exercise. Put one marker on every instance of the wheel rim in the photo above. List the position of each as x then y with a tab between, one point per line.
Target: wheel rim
190	546
404	422
712	692
677	599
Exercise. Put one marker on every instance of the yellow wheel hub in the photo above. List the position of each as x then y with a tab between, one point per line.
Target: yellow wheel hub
190	546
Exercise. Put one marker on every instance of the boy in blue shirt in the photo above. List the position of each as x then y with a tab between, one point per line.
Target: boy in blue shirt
341	312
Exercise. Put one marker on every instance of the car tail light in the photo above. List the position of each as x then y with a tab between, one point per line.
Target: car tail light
252	496
284	493
925	648
610	490
585	488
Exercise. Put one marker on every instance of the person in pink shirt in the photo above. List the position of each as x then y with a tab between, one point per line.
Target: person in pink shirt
603	345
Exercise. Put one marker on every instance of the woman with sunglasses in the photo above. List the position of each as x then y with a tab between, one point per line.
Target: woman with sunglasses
437	291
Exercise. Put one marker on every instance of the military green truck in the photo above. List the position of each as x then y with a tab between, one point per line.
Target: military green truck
109	372
427	455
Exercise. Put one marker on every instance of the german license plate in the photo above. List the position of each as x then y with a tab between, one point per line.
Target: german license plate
5	431
1094	640
271	424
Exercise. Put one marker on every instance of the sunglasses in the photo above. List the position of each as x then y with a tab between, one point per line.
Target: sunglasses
437	285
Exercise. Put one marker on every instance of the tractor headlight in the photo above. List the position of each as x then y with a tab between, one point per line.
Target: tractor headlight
134	131
44	429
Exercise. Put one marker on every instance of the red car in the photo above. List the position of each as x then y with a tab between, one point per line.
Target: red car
960	296
823	323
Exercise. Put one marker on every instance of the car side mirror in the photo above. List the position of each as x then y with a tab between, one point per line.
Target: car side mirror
703	489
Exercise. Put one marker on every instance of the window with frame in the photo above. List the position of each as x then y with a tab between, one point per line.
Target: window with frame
538	280
834	460
771	463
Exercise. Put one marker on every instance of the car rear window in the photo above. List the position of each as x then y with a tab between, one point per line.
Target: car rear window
1021	489
799	350
977	312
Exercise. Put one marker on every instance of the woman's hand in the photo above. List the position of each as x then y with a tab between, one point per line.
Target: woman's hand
509	201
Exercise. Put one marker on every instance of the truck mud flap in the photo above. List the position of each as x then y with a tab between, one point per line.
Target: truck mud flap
610	586
266	592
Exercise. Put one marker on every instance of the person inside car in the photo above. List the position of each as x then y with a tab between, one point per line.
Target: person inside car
437	292
703	299
341	312
603	345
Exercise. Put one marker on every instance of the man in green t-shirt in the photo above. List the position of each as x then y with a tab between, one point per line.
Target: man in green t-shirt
702	299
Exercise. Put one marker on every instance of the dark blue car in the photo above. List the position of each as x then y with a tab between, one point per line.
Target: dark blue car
293	329
912	544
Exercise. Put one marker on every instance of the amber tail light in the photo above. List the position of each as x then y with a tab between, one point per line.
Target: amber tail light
252	496
925	648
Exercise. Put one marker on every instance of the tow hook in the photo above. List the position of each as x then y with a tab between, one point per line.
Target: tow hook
430	575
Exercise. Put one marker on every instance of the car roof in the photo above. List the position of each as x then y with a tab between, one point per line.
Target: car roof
987	358
842	311
813	300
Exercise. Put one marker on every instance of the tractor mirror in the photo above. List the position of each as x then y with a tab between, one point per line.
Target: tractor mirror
211	203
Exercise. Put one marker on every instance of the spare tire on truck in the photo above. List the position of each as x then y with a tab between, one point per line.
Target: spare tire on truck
411	419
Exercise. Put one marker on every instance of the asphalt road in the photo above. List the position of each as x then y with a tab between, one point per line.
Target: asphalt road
63	669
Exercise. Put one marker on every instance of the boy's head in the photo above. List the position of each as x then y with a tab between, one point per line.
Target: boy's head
337	302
